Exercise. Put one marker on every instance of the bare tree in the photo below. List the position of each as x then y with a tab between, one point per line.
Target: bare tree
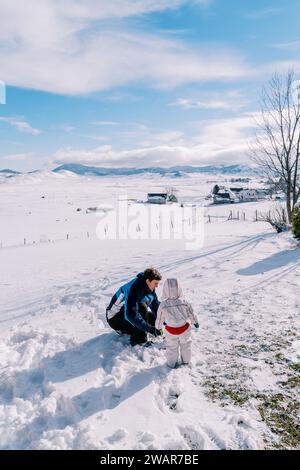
276	147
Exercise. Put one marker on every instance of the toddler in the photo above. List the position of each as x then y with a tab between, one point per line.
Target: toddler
176	315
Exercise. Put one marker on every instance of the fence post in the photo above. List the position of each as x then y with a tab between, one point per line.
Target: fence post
67	236
24	241
256	216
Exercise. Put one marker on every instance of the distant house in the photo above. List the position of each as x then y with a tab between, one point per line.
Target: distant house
157	198
236	190
262	193
224	196
240	180
162	198
248	194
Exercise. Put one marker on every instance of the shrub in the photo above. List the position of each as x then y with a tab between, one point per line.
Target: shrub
296	222
277	218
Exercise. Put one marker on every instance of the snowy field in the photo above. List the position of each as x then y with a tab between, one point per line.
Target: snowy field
69	382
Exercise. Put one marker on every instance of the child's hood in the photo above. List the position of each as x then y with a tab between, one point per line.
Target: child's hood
171	289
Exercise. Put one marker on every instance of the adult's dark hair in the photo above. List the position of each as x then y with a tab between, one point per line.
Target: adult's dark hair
152	274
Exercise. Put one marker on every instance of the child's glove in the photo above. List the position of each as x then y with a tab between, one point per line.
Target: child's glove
157	332
196	325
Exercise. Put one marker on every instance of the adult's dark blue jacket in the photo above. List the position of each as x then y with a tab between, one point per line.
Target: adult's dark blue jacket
133	296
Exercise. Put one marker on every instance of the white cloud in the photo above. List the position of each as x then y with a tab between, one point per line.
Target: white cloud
139	133
231	100
99	138
105	123
282	67
17	157
71	48
218	141
289	46
174	138
226	130
186	103
160	155
20	125
168	136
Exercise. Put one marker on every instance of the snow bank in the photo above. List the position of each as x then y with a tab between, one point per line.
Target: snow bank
56	394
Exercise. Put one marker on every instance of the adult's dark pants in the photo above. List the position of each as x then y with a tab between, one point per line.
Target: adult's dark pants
121	325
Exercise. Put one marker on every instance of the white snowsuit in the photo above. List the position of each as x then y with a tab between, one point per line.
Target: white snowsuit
174	311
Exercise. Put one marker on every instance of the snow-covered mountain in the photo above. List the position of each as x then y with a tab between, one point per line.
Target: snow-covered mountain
173	172
176	171
6	172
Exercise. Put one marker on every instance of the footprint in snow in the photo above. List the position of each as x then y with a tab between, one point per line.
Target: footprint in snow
117	436
193	439
145	438
173	401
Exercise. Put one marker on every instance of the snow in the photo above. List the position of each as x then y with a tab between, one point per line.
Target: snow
69	382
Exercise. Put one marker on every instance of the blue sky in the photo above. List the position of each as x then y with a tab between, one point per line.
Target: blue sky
138	82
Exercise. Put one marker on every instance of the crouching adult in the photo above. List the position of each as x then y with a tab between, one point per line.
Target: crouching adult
133	308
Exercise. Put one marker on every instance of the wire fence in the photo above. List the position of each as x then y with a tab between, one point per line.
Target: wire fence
232	215
43	240
239	215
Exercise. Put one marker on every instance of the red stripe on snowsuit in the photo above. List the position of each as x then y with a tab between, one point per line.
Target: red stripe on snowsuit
177	331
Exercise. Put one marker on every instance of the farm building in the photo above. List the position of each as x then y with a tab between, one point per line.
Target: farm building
163	198
222	195
246	195
157	198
